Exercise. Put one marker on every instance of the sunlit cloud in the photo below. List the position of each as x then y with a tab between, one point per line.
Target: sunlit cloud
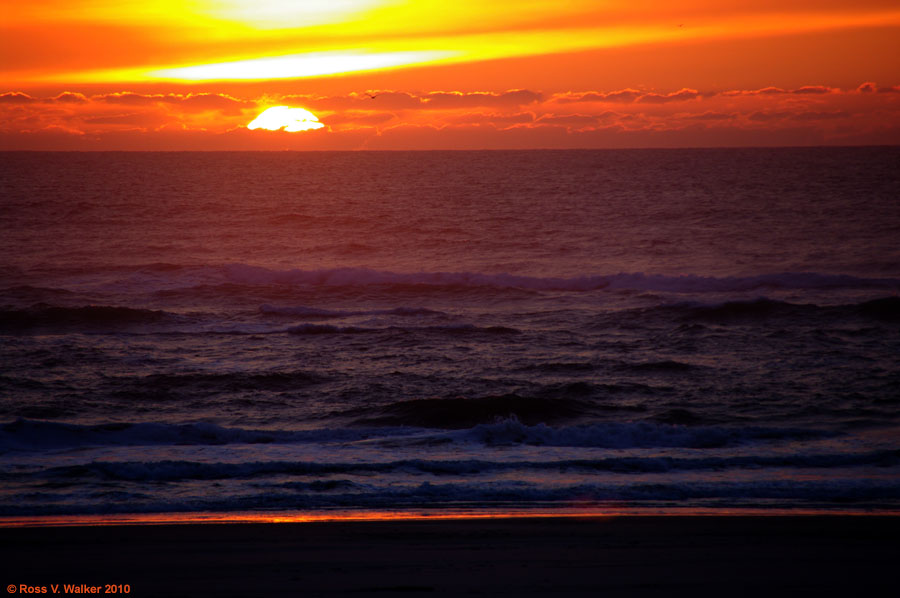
866	113
16	97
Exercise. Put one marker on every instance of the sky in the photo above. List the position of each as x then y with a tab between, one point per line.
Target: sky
433	74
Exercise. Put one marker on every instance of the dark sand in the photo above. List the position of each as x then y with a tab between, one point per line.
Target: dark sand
623	556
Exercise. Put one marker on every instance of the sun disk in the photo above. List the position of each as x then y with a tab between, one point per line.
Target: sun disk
290	119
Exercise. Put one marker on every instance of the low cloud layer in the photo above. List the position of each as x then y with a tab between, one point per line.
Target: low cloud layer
401	119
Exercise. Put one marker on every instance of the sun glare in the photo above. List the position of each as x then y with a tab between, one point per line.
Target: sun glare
283	14
290	119
301	65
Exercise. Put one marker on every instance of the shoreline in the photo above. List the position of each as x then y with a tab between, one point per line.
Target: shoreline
370	515
649	555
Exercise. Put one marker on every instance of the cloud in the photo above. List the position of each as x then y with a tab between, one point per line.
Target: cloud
769	91
401	100
821	115
448	119
70	97
51	129
191	101
798	115
710	116
142	119
629	96
871	87
765	91
677	96
209	101
813	89
621	96
624	95
362	118
443	100
374	100
769	116
128	98
16	97
496	119
576	121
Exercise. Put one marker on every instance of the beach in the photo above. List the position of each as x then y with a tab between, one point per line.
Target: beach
548	556
342	298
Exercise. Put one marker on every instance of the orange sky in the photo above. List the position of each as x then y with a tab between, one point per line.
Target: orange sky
191	74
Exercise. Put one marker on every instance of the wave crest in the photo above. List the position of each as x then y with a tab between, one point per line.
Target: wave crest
459	413
255	275
632	435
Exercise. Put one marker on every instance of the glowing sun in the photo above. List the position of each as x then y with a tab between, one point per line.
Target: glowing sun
284	117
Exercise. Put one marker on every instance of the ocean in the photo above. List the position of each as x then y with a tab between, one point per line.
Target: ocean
697	330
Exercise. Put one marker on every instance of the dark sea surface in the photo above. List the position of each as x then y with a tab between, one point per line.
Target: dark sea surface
450	331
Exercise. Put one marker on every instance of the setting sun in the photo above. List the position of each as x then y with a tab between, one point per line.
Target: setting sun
425	74
517	297
290	119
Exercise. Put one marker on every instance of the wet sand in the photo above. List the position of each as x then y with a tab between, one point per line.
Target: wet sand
598	556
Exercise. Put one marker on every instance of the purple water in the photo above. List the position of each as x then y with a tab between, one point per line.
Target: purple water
711	329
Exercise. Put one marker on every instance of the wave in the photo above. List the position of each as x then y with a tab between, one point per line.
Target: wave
763	494
92	316
761	308
169	471
459	413
884	309
29	435
418	421
664	366
209	382
561	367
254	275
174	279
620	435
245	274
26	293
314	313
460	329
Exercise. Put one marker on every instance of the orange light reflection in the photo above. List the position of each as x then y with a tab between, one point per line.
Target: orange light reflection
204	518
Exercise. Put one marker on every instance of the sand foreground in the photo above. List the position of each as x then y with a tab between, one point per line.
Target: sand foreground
599	556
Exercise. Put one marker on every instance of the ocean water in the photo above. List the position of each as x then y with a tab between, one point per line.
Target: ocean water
450	331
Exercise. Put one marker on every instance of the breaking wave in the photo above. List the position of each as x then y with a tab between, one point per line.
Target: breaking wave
460	329
456	422
254	275
158	471
345	494
28	435
616	435
761	309
313	313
